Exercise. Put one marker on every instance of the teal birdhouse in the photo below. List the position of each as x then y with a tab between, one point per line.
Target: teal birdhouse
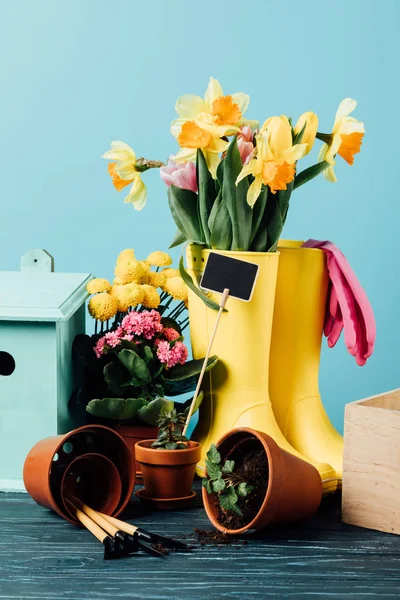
40	314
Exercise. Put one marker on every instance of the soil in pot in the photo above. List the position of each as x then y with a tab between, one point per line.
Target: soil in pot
251	464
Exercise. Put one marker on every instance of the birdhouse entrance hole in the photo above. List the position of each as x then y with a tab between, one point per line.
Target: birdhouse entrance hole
7	364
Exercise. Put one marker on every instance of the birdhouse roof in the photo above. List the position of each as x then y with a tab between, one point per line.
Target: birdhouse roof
41	296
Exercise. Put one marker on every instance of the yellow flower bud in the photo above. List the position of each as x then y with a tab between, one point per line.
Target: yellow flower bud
103	306
98	285
311	120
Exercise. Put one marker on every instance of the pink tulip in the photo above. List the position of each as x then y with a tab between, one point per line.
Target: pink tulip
245	144
182	175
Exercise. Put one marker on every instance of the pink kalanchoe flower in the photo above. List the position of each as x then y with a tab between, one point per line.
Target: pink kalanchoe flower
182	175
245	144
171	356
146	324
170	334
113	338
99	347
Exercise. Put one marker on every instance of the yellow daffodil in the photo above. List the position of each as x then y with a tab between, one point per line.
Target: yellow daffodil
124	171
103	306
222	115
345	140
310	120
193	137
98	285
159	259
274	162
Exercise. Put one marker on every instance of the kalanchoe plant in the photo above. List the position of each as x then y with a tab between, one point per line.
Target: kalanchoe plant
170	427
222	480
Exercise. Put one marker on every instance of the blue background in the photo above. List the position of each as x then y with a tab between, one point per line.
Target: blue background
76	75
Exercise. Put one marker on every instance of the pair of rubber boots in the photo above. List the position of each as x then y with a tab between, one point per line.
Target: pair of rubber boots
269	351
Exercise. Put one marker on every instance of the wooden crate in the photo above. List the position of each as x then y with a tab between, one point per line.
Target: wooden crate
371	469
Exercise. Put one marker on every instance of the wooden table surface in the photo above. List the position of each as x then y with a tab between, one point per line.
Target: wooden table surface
44	557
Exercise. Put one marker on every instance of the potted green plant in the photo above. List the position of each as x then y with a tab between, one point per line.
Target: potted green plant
168	463
251	483
130	368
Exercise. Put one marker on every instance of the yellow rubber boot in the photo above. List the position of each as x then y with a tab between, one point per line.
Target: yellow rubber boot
300	303
236	390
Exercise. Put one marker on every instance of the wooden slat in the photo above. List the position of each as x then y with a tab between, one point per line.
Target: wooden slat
43	557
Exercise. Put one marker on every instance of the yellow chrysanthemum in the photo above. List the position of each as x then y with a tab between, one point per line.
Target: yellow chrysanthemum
151	296
176	287
127	254
170	273
159	259
98	285
130	294
156	279
103	306
129	271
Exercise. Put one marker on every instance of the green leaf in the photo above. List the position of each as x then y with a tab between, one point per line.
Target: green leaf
207	484
299	136
148	354
184	209
213	470
213	455
258	213
228	466
218	485
235	199
221	232
310	173
206	193
182	379
179	238
186	405
171	446
244	489
228	500
214	210
189	282
136	367
119	409
116	377
155	408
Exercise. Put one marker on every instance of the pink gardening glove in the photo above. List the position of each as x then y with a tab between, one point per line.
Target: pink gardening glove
348	307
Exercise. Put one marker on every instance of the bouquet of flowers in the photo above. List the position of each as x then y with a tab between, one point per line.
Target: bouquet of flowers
231	181
129	366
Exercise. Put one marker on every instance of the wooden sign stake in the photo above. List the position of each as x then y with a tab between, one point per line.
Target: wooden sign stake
222	304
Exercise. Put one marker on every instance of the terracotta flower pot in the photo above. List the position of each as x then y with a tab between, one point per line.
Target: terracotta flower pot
294	489
133	434
95	480
167	473
49	459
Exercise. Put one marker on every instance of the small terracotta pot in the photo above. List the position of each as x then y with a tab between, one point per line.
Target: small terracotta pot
48	460
133	434
167	473
95	480
294	489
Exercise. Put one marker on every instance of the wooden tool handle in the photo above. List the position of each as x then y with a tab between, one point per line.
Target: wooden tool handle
96	517
122	526
94	529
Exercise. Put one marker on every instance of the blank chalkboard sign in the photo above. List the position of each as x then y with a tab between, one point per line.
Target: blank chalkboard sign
223	272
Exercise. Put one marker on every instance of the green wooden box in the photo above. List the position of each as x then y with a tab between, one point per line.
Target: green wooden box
40	314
